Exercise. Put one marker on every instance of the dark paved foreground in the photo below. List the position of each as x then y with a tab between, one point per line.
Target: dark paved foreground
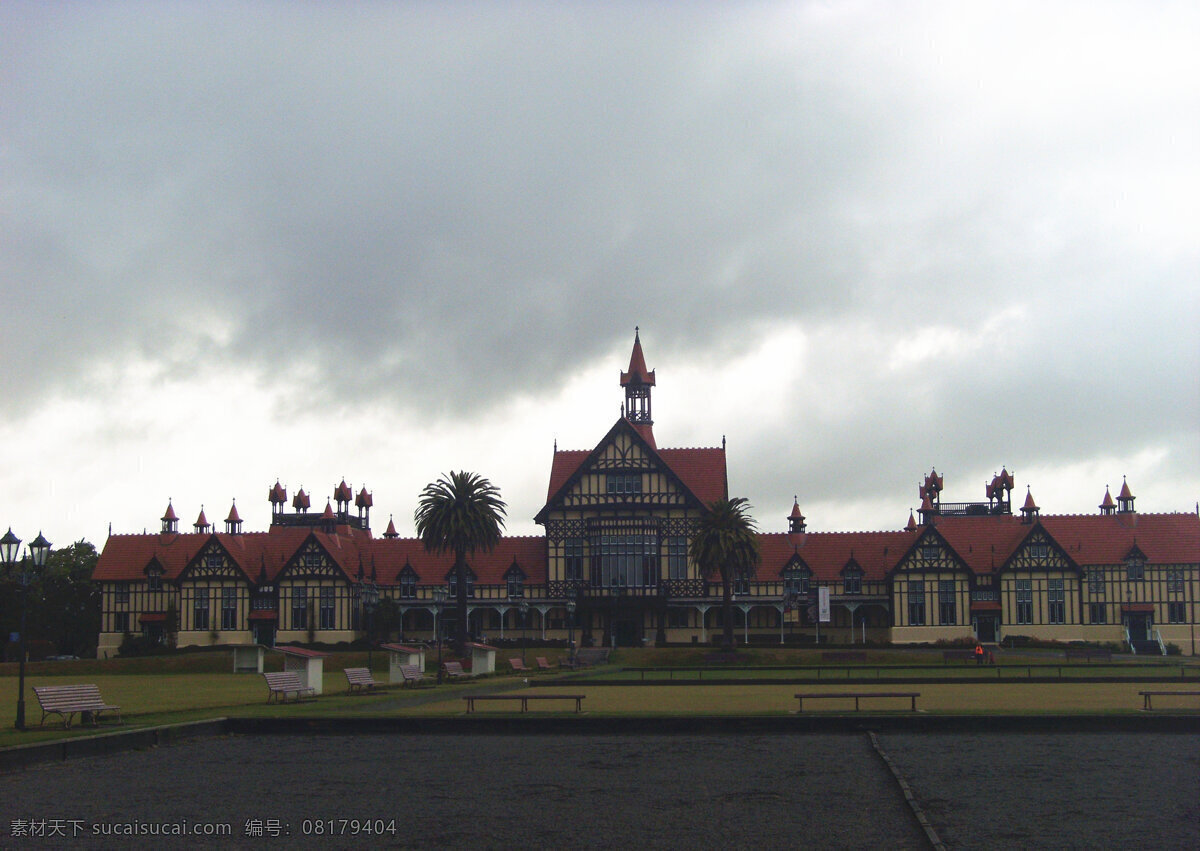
600	791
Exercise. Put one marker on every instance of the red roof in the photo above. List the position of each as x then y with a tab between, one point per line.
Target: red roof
263	555
233	517
343	492
277	495
826	554
301	651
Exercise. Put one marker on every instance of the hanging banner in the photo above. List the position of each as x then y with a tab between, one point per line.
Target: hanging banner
823	603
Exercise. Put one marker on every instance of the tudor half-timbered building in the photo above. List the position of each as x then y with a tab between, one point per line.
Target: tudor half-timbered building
614	566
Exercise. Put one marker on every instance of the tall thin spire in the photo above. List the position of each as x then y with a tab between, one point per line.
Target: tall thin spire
637	381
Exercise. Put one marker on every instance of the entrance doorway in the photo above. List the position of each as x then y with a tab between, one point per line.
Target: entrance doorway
264	634
987	628
1139	624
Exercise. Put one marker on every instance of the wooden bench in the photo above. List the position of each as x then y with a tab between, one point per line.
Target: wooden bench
65	701
857	695
412	675
958	655
524	699
454	670
1089	653
543	663
361	679
1146	695
282	683
844	656
520	666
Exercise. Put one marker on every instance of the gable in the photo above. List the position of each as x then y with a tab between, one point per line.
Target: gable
624	469
312	561
213	562
1039	551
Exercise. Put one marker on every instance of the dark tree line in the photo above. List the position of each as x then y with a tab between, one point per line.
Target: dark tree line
63	615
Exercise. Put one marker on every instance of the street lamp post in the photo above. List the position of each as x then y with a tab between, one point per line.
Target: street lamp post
370	600
32	564
571	627
439	600
523	607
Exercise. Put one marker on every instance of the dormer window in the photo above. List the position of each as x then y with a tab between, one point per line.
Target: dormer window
795	580
852	582
516	586
154	579
408	585
452	585
741	584
1135	568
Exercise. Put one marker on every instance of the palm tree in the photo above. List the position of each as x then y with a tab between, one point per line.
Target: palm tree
726	543
460	513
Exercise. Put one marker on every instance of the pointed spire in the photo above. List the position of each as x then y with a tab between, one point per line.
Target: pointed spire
233	523
1107	506
637	372
912	522
301	502
1029	511
637	382
201	524
796	525
170	521
391	529
1125	498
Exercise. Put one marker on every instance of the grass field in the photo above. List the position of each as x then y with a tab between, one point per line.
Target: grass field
162	690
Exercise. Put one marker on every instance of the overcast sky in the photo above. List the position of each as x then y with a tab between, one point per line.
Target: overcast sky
381	241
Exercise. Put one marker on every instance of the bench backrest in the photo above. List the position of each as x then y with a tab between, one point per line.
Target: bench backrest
283	680
517	664
542	662
359	675
412	672
453	667
53	697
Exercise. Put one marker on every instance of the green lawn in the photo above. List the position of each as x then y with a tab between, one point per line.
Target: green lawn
165	690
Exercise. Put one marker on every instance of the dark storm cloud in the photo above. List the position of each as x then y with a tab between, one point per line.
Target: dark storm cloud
432	208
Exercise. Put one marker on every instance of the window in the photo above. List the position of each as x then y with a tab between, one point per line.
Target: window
852	582
624	483
946	608
1174	580
795	581
678	618
1096	583
214	561
328	611
452	586
312	560
740	584
573	559
229	608
1176	613
1024	601
916	602
516	585
408	586
677	547
120	593
930	552
1135	569
628	561
263	599
299	607
200	609
154	580
1057	611
1097	613
121	622
1039	551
